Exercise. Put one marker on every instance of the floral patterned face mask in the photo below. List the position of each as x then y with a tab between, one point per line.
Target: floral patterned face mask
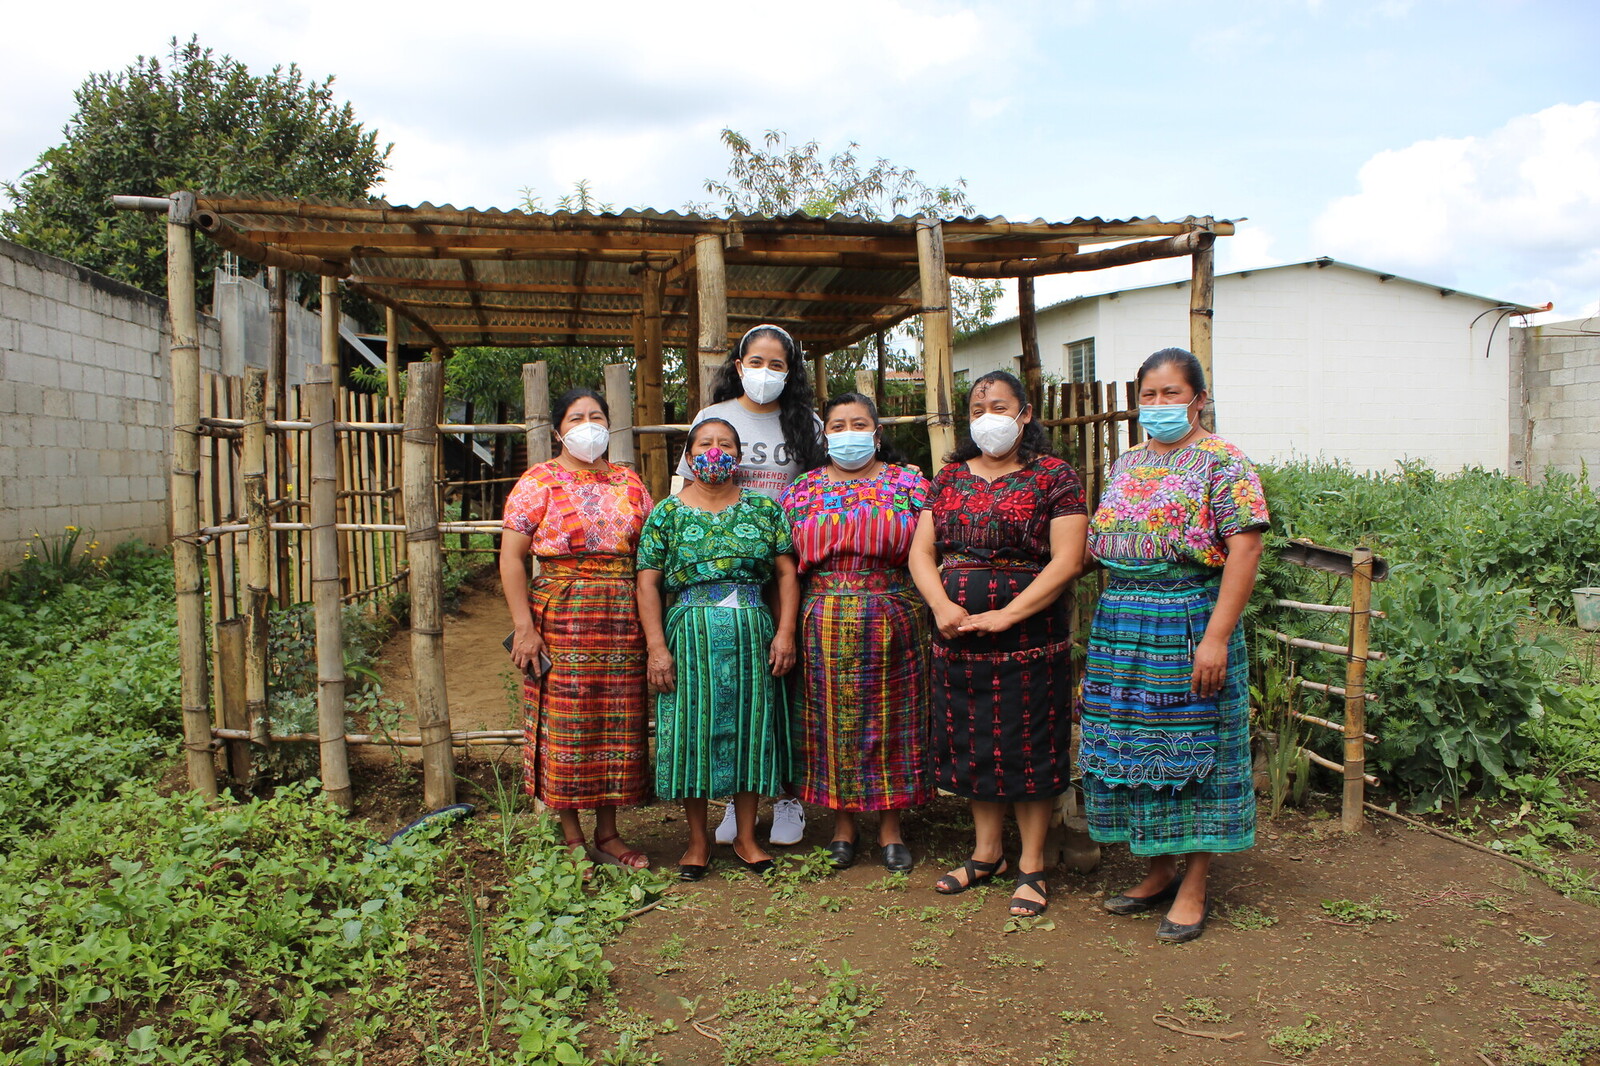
713	466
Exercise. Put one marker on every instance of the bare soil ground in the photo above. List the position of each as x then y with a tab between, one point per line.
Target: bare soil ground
1471	960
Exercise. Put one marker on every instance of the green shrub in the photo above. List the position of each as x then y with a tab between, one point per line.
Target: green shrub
1474	557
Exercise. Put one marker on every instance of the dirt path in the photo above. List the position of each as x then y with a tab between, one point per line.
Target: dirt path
1467	960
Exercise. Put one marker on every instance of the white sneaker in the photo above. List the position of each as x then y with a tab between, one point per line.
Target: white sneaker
728	828
788	822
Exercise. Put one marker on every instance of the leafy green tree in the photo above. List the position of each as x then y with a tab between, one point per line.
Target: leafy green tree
201	122
778	177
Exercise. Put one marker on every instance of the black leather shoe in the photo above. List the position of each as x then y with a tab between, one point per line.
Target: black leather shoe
760	868
1170	932
897	858
842	853
1126	904
689	871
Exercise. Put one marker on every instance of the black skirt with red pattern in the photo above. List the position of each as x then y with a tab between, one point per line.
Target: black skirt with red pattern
1002	702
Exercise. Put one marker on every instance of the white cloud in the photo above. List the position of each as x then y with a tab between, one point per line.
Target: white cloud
1513	214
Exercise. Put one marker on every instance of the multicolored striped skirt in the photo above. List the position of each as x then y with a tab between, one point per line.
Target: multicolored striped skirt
584	720
1002	702
1164	771
861	727
724	728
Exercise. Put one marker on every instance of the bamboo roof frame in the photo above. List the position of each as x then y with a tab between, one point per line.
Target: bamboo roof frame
513	278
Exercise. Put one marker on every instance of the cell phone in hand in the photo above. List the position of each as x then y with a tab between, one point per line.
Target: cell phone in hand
534	670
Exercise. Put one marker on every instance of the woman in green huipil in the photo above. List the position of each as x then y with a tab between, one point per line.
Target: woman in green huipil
722	722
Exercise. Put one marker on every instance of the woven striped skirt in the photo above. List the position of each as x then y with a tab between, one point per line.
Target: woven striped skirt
584	721
1164	772
725	726
1002	714
861	727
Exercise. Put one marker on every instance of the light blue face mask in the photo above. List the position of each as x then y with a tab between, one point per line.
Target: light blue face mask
852	449
1166	422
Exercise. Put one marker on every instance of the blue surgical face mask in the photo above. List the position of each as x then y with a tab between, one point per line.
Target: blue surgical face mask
1166	422
852	449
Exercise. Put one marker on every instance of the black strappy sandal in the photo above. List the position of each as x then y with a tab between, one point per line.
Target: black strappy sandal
1030	908
977	873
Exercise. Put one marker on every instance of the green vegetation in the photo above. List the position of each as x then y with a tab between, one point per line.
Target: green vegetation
1347	910
1572	989
784	1024
1470	682
1297	1040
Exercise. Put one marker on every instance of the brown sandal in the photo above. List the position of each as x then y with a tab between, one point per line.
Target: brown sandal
633	860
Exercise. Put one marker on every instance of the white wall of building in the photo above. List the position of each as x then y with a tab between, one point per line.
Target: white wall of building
1310	360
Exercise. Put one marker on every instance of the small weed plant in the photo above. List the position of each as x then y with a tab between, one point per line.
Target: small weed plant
1302	1039
1349	910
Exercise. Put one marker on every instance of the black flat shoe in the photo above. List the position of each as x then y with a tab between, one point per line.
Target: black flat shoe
1170	932
1126	904
761	867
897	858
690	871
842	853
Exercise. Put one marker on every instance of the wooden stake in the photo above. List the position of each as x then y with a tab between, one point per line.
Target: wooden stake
187	556
278	407
938	375
1355	681
691	351
1032	370
712	277
649	410
325	584
619	397
880	372
1202	287
258	560
421	440
231	686
536	411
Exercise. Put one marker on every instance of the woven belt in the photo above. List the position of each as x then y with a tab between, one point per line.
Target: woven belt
721	594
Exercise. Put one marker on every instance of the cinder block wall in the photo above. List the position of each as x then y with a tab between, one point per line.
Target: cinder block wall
84	403
1561	397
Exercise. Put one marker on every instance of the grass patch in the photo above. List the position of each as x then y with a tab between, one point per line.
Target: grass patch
782	1023
1347	910
1302	1039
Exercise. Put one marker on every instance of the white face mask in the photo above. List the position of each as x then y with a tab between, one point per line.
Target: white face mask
995	434
763	385
587	442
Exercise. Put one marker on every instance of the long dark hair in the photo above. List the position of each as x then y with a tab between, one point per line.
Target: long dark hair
1181	358
887	452
795	416
1035	438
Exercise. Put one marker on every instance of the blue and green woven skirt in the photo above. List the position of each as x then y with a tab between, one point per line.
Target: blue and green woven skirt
725	726
1164	771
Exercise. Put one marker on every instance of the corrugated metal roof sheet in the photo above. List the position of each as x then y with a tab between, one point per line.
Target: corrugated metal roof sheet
525	278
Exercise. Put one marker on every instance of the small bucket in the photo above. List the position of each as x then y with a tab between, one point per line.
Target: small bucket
1586	603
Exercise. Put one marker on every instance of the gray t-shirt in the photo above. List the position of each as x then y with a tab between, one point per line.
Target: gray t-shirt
767	464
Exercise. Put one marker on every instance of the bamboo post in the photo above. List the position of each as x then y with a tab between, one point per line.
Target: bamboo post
278	407
1202	287
321	399
391	352
619	397
536	410
648	408
711	274
880	372
258	560
187	554
425	384
1355	681
231	688
938	375
1135	431
691	348
819	372
1032	370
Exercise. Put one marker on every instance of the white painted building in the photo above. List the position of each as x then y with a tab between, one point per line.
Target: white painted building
1316	359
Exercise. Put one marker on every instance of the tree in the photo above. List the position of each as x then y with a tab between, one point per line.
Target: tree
204	123
779	178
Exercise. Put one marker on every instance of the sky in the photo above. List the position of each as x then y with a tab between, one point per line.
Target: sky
1452	141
